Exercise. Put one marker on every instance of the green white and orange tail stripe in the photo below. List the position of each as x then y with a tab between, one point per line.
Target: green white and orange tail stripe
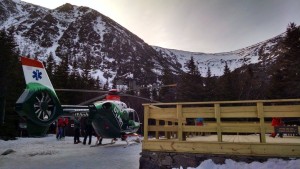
34	72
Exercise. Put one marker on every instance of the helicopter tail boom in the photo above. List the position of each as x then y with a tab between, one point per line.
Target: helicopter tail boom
38	103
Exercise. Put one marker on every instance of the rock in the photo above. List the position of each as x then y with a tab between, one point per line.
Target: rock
9	151
148	164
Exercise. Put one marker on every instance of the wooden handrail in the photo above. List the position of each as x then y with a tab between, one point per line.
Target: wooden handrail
218	112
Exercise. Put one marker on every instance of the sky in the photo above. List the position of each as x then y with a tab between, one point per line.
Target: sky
209	26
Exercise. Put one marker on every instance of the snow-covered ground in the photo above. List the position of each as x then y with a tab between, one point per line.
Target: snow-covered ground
48	153
270	164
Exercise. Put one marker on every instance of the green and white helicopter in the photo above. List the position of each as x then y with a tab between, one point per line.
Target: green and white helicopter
40	106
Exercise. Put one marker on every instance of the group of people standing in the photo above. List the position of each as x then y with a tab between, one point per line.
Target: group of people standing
86	126
80	124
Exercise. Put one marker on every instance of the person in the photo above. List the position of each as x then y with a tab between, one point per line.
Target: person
276	121
60	124
52	128
65	124
99	140
76	130
88	131
199	122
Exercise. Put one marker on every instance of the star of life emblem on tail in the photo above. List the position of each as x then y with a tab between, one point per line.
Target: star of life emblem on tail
37	75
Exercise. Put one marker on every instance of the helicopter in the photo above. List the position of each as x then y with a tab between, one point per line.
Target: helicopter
40	106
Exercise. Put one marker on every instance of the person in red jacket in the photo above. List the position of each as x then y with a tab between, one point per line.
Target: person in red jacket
65	124
60	124
276	121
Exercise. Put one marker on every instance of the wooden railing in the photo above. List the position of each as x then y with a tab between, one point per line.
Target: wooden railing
171	124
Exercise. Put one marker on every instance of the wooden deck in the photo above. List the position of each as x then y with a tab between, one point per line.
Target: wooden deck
288	146
225	119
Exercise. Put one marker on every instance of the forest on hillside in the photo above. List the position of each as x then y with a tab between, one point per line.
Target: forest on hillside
277	80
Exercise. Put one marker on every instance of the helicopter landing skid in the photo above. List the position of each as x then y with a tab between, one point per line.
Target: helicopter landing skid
103	144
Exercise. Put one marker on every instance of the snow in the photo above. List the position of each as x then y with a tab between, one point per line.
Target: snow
271	163
99	27
216	61
48	153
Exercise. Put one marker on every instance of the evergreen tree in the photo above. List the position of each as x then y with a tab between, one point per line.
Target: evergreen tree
245	84
61	79
12	84
190	86
154	94
191	66
98	82
210	87
285	82
61	74
75	81
106	85
263	77
145	92
166	93
50	66
87	80
226	85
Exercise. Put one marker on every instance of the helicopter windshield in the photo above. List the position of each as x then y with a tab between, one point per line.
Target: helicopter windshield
132	120
133	116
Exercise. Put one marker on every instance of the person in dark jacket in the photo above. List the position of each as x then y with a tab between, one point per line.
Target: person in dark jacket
88	131
76	130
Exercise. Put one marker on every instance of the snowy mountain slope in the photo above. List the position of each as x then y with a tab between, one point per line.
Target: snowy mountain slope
216	61
81	33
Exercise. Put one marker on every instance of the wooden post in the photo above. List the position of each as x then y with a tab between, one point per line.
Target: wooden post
157	132
179	117
218	118
146	115
261	116
174	134
167	133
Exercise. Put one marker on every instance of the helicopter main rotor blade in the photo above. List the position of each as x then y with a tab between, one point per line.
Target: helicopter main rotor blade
143	98
102	96
81	90
93	100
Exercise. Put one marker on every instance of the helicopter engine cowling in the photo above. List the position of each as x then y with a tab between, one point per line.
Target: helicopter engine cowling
40	107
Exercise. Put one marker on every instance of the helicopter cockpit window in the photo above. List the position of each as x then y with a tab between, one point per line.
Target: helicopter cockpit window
133	116
131	120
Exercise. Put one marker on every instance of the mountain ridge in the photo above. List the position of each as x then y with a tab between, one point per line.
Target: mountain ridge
259	52
79	33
